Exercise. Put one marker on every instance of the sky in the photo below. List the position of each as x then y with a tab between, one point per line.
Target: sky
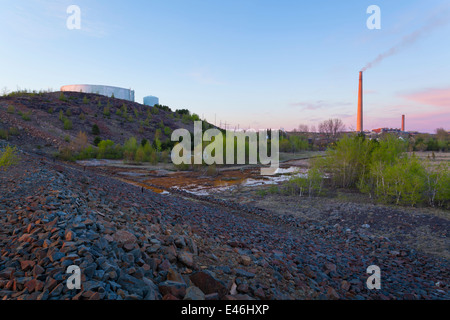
247	63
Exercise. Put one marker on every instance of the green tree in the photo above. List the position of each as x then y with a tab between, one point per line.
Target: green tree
67	124
129	149
95	130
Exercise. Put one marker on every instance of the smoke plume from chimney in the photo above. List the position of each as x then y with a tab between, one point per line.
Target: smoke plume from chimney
434	22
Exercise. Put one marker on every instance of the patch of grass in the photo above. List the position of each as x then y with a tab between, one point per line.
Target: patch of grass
26	116
13	131
4	134
11	109
8	157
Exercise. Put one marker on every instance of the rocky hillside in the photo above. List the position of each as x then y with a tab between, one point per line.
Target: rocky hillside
45	122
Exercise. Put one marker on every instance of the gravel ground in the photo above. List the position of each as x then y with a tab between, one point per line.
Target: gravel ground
132	243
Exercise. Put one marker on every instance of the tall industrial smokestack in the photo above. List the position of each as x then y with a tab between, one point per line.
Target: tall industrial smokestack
403	123
359	121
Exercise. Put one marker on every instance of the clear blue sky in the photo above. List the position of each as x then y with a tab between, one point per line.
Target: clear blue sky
255	63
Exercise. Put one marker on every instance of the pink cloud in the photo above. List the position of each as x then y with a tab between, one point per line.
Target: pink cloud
433	97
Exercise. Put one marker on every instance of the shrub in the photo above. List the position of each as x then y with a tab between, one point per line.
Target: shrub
13	131
97	141
106	111
68	112
66	154
80	142
108	150
8	157
11	109
95	130
154	110
88	153
26	116
140	155
186	119
129	149
85	100
348	160
401	183
67	124
62	97
4	134
437	184
165	156
167	131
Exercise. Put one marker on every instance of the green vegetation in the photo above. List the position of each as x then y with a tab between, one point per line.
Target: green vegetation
383	170
293	143
131	151
62	97
8	157
85	100
97	140
67	124
26	116
310	185
107	111
4	134
95	130
427	142
11	110
167	131
13	131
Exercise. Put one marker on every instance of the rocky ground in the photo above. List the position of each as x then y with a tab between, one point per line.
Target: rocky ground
131	243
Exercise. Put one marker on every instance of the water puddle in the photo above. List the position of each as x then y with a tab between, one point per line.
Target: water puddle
195	182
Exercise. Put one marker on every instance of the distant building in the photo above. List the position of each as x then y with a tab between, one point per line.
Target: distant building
151	101
108	91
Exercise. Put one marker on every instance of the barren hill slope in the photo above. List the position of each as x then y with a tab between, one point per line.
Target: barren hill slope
45	122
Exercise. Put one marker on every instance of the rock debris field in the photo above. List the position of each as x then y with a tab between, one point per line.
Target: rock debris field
133	244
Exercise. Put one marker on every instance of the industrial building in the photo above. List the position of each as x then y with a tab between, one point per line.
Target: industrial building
119	93
151	101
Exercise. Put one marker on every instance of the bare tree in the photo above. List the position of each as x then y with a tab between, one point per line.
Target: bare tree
303	128
442	134
331	127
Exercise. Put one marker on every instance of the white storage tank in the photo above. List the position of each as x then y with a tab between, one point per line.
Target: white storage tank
151	101
108	91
